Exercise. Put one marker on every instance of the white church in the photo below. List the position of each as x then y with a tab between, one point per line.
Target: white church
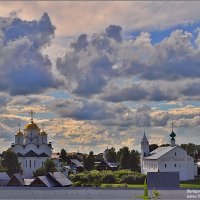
32	148
167	159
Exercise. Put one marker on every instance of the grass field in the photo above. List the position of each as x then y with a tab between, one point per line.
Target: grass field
183	184
190	184
123	185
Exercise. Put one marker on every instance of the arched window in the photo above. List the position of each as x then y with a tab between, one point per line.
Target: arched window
175	153
174	165
165	165
30	163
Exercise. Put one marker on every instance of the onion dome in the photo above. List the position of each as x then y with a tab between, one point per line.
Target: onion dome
43	132
31	125
172	135
19	133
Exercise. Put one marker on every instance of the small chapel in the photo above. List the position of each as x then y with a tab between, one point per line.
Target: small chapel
32	148
167	159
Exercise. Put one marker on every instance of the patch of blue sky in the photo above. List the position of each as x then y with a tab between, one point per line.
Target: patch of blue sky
60	94
162	105
47	115
177	104
193	103
157	35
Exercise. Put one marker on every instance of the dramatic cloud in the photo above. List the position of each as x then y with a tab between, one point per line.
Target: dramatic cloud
106	114
23	68
187	116
113	70
168	70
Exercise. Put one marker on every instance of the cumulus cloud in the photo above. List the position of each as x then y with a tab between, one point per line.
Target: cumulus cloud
187	116
114	32
98	64
24	69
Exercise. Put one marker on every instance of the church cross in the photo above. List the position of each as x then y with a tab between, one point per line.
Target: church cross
172	126
31	113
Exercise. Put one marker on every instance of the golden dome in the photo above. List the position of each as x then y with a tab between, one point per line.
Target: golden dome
31	126
43	133
20	133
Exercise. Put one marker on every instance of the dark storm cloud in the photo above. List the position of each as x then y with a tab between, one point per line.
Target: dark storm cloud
23	68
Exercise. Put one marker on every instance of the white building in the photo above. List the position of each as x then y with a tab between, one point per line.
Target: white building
32	148
167	159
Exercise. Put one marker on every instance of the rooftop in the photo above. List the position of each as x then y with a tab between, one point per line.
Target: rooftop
160	151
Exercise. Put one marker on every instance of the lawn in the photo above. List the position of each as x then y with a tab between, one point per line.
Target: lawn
190	184
123	185
183	184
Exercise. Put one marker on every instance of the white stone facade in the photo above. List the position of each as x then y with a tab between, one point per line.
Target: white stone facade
32	148
167	159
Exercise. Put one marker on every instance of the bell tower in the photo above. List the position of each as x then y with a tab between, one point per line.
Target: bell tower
144	146
144	150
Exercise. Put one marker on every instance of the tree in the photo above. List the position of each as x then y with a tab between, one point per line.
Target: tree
165	145
153	147
63	155
10	162
49	166
39	172
192	150
124	158
134	162
89	161
112	155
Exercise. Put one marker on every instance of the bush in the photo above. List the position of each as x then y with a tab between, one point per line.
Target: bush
108	178
133	179
122	173
94	177
82	177
77	184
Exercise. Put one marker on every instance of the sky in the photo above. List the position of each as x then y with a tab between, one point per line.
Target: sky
100	73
